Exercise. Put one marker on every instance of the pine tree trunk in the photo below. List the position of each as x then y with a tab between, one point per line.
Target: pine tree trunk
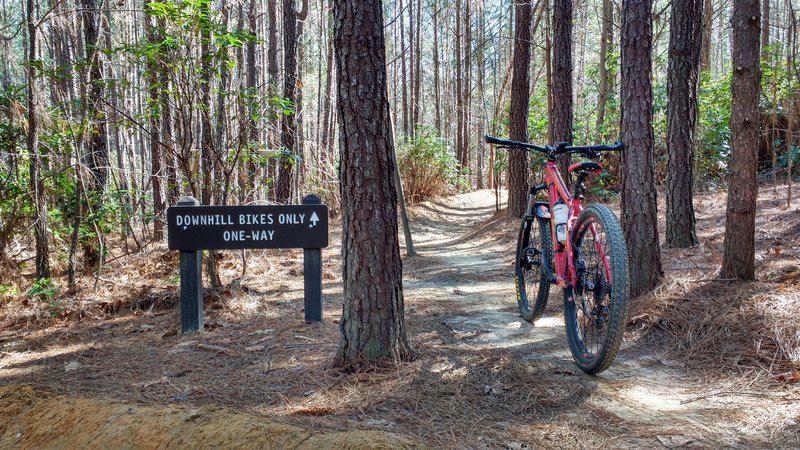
404	73
765	20
481	88
459	99
96	135
562	78
548	61
708	25
251	88
155	128
372	324
417	67
40	229
685	40
518	120
436	82
639	207
739	254
288	122
464	160
606	41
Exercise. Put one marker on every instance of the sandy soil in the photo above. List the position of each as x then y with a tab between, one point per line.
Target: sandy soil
481	377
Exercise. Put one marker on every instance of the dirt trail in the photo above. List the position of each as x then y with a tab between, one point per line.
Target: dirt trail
642	390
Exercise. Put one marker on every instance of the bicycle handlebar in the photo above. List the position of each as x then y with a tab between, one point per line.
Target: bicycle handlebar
563	148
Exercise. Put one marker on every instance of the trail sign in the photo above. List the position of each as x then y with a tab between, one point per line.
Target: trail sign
238	227
193	228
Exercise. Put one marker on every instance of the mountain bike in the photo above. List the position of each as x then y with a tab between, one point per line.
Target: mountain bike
579	249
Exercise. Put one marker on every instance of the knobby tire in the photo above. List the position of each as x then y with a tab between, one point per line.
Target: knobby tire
534	248
595	312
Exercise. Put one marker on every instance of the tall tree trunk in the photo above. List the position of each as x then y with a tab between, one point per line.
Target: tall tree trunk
739	254
251	88
372	324
606	43
685	40
417	67
708	26
466	95
40	228
518	120
562	78
548	61
97	154
288	121
272	45
639	207
765	20
327	139
153	71
404	73
221	119
459	73
208	153
481	87
436	82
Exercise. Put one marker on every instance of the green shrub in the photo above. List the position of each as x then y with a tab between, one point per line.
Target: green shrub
427	165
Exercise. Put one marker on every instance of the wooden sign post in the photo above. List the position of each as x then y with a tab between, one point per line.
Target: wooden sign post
193	228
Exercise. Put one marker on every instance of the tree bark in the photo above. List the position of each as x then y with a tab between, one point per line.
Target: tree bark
272	45
685	40
417	67
97	150
765	19
639	207
459	99
518	120
436	82
464	160
708	26
739	254
606	44
372	324
562	78
40	228
404	73
288	121
155	127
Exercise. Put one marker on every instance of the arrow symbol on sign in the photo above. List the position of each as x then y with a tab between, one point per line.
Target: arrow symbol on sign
314	219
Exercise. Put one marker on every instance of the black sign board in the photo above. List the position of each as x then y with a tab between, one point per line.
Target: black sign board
239	227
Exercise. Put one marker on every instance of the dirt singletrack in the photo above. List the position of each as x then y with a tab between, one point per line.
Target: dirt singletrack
651	399
481	376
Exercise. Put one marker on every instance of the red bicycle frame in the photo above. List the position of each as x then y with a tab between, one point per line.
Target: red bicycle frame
565	273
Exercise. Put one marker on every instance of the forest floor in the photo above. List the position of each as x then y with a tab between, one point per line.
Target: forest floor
705	363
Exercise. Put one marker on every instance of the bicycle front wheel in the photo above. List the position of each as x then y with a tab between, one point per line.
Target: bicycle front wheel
534	250
596	309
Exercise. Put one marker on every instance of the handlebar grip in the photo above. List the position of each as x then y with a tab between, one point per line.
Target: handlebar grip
498	141
612	147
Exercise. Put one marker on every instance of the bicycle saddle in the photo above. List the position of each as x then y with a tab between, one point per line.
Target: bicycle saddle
590	166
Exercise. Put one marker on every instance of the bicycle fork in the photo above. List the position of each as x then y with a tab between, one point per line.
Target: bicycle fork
539	210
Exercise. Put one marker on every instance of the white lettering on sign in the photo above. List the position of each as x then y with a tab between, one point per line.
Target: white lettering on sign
229	236
262	235
256	219
203	219
291	219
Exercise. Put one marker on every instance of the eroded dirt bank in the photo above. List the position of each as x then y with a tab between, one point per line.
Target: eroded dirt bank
36	418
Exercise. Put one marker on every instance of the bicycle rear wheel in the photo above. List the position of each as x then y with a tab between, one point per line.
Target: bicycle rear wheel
595	311
534	249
